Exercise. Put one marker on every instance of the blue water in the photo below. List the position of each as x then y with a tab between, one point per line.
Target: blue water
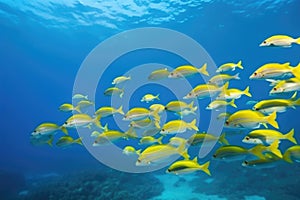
44	44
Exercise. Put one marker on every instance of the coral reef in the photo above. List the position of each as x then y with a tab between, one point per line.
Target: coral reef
96	185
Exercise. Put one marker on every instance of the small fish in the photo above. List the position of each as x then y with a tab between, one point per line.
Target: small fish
107	111
285	86
273	71
159	107
48	129
130	150
205	90
188	70
217	104
160	153
85	103
146	140
138	113
66	107
251	102
200	138
178	106
279	41
144	123
292	154
41	140
82	120
120	79
187	112
149	97
151	131
229	67
178	126
268	136
224	115
109	136
234	93
188	166
220	79
114	91
159	74
250	119
66	141
177	141
269	161
80	96
278	105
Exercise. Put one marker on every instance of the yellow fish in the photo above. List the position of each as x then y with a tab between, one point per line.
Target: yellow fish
269	161
106	111
188	166
114	91
80	96
205	90
85	103
130	150
159	74
292	154
217	104
178	126
66	107
275	71
178	106
188	70
279	41
109	136
149	97
41	140
120	79
140	113
200	138
159	107
66	141
268	136
82	120
48	129
234	93
229	67
150	140
220	79
224	115
250	119
144	123
290	85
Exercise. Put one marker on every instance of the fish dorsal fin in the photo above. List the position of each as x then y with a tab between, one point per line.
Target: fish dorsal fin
287	64
195	159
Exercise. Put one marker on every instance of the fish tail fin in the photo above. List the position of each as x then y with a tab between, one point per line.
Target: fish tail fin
121	94
156	115
224	87
194	109
157	97
223	140
185	154
78	141
287	157
49	142
271	119
120	110
97	121
192	125
298	40
131	133
293	98
205	169
257	152
64	130
159	140
232	103
274	148
237	76
191	105
296	71
77	108
239	65
290	136
246	92
203	70
138	152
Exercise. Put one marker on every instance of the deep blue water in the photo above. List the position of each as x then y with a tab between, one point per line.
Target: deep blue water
43	46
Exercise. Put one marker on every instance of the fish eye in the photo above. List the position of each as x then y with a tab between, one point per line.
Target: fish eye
138	160
66	122
162	129
247	138
96	141
34	131
246	162
214	155
264	42
168	170
227	122
255	74
275	88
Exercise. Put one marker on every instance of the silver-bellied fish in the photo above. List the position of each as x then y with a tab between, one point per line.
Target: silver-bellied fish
114	91
107	111
200	138
234	93
147	140
279	41
108	137
230	67
85	103
178	126
250	119
67	107
149	97
139	113
80	96
275	71
188	166
82	120
217	104
188	70
292	154
48	129
159	74
279	105
130	150
41	140
286	86
144	123
269	161
224	115
159	107
268	136
66	141
187	112
120	79
220	79
205	90
178	106
160	153
151	131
